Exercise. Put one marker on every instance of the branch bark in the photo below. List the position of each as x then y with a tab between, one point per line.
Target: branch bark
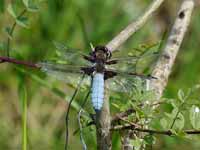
165	62
167	132
103	126
18	62
163	66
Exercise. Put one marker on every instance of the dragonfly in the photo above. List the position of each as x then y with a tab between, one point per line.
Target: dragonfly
117	73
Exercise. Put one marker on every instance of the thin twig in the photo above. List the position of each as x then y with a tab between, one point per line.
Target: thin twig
85	99
82	106
180	107
85	126
176	116
11	32
68	110
18	62
134	26
81	133
167	132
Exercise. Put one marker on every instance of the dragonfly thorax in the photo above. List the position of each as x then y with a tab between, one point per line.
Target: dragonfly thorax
100	56
99	67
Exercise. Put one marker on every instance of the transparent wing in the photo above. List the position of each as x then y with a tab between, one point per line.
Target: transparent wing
69	55
126	81
136	60
126	84
130	70
67	73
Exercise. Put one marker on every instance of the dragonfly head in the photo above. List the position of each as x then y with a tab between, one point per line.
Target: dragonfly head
102	53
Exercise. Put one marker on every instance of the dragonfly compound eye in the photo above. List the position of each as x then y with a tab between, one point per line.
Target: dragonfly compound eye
109	54
105	50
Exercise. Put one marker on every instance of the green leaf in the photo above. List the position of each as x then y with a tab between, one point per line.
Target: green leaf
22	21
174	112
195	117
173	131
169	115
181	134
11	11
181	95
8	32
136	143
22	91
1	46
148	95
25	2
175	104
164	123
149	139
169	118
116	105
179	122
32	7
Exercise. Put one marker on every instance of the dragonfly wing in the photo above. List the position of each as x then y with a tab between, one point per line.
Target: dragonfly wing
124	71
124	85
137	60
67	73
134	63
69	55
126	81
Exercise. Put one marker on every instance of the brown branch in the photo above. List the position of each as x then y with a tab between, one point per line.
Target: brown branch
134	26
18	62
103	124
163	66
167	132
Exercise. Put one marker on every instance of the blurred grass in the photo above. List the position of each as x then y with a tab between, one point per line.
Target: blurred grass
77	23
23	99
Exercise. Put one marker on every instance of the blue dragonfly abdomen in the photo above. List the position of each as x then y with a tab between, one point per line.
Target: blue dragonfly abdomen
98	91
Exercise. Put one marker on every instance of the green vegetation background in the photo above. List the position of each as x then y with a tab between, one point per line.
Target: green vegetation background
76	23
